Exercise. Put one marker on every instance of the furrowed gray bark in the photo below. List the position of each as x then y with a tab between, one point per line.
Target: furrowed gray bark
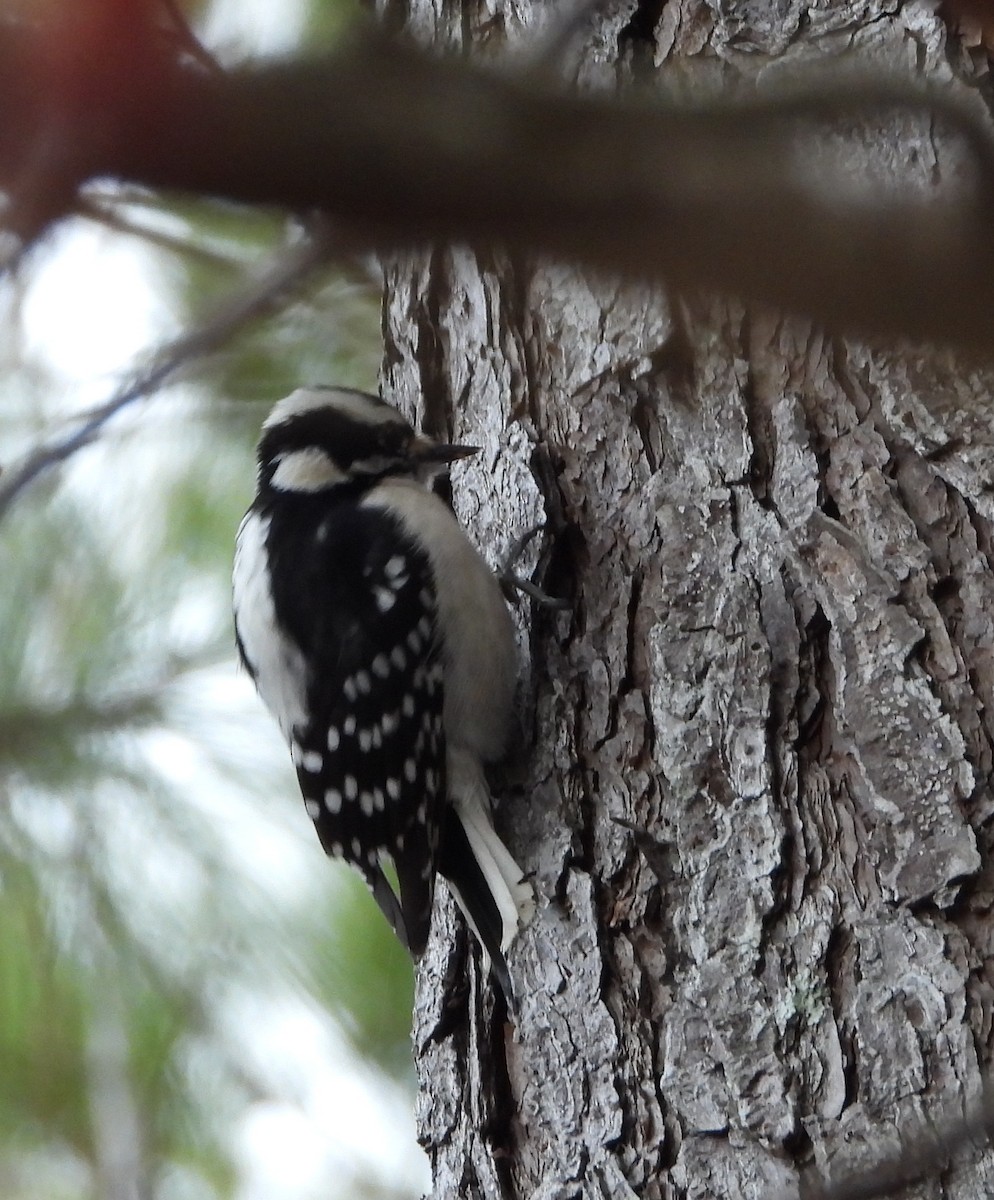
755	798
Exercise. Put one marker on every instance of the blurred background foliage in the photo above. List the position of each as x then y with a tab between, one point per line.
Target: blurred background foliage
194	1003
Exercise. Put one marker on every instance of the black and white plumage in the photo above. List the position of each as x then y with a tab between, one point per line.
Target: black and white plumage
379	639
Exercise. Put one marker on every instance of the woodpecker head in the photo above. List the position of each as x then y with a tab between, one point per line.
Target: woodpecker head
322	438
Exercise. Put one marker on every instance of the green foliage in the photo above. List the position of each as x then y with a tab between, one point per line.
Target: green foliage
368	977
328	20
43	1002
299	346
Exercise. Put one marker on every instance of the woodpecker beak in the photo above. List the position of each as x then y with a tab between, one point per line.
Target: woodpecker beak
439	454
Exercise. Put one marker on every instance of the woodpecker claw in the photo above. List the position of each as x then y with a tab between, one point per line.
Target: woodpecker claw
511	582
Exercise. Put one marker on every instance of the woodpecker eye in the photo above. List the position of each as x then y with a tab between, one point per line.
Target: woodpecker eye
376	465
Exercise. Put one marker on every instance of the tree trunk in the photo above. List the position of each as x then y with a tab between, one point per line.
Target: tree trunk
755	795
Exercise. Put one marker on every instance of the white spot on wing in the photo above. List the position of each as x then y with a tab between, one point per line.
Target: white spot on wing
333	802
334	738
381	667
384	597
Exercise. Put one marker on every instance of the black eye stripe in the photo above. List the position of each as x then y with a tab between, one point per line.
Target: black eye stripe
340	436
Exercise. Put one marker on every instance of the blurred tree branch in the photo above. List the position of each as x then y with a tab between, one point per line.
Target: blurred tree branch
401	147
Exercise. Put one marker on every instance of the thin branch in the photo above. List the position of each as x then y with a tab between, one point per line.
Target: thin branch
287	270
187	40
107	215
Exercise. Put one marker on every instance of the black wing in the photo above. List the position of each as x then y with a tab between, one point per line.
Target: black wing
371	761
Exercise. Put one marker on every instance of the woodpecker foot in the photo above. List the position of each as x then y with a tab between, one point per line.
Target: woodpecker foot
511	582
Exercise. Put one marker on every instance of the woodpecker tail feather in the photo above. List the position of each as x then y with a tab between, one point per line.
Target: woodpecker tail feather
386	898
487	883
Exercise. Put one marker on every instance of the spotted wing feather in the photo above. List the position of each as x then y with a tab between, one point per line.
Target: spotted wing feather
371	759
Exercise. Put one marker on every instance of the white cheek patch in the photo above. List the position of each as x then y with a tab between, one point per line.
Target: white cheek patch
306	470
